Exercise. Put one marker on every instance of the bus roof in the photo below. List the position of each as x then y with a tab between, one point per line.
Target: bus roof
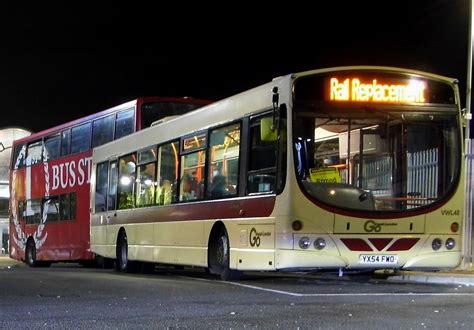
139	100
378	68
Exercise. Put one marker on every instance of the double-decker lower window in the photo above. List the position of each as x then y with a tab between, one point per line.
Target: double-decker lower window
53	208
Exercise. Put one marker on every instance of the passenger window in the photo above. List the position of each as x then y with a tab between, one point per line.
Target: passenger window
224	150
52	147
125	123
102	131
168	161
18	156
126	183
34	153
33	211
101	187
65	142
51	204
81	138
146	183
113	181
192	168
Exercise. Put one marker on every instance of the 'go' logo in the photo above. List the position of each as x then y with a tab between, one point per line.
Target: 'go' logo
372	226
254	238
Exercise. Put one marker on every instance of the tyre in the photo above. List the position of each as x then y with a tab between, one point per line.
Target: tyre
219	257
30	253
123	264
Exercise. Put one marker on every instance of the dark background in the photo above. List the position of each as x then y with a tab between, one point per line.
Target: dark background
61	61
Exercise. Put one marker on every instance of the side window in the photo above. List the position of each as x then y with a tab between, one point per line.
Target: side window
51	205
21	210
193	159
65	142
81	138
262	161
146	174
67	206
112	192
126	183
102	131
18	156
224	150
168	161
33	211
34	153
102	178
125	123
52	147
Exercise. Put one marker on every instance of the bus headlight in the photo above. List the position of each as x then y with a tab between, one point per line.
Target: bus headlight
436	244
450	243
319	243
304	242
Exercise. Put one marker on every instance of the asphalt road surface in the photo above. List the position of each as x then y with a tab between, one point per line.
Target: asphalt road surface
68	296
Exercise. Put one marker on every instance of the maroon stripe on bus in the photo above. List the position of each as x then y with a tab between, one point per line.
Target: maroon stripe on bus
252	207
403	244
380	243
356	244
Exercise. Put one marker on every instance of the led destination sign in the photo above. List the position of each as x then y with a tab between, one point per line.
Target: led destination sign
371	90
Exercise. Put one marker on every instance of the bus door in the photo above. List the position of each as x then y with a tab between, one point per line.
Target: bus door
105	197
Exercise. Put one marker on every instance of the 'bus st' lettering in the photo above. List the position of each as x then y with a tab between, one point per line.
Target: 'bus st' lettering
71	173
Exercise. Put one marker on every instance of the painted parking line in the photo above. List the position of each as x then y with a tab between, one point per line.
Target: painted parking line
368	294
294	294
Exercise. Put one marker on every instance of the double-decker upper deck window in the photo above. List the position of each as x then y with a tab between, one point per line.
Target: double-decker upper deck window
102	131
81	138
18	156
52	146
34	153
125	123
65	142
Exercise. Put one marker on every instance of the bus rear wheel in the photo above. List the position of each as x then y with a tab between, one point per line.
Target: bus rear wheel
219	257
123	264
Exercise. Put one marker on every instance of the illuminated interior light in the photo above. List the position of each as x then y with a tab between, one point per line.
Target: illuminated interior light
148	182
125	180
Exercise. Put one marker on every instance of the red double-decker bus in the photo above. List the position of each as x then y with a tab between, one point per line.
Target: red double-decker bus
50	178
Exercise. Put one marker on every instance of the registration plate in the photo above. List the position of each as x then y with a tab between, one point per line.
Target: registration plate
378	259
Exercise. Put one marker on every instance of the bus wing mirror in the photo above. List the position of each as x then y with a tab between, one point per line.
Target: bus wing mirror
267	130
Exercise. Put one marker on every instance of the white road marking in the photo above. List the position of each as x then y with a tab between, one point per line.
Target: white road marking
374	294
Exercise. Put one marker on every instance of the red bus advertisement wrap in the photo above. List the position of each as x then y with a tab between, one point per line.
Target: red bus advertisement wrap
50	179
61	183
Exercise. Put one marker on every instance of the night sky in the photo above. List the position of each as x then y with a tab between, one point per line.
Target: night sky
62	63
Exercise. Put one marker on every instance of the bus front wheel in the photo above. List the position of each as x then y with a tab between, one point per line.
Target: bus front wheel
219	257
123	264
30	253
